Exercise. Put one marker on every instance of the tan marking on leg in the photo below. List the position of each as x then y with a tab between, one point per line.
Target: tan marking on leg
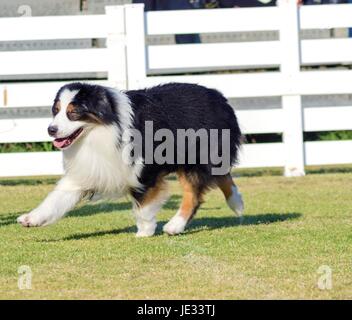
226	184
231	193
153	193
191	197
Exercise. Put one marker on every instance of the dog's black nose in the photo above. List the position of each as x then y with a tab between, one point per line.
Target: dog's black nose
52	130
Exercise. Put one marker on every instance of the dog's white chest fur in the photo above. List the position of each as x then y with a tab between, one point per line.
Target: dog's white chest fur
96	163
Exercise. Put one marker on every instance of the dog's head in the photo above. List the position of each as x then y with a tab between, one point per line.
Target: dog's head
78	108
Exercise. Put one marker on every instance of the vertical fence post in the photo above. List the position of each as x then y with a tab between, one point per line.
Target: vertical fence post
135	45
291	103
116	47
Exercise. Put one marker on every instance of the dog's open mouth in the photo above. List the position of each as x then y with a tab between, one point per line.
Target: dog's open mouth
65	142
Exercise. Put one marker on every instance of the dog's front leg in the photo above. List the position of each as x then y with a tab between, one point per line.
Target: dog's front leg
64	197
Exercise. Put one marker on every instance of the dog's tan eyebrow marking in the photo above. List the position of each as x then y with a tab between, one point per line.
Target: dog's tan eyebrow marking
70	108
71	112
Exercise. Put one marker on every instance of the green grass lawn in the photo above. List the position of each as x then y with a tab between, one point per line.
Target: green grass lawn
291	228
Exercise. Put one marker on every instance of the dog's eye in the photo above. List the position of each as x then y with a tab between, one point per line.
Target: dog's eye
73	115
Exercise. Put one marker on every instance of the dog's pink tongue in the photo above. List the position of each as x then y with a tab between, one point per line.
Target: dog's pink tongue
59	143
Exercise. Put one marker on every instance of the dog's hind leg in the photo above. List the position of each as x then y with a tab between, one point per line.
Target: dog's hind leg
231	193
192	199
146	205
62	199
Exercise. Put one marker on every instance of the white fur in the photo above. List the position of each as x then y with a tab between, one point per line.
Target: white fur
66	97
65	126
125	112
146	216
55	205
93	163
235	202
176	225
96	163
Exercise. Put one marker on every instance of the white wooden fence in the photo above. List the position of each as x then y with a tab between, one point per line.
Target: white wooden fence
130	64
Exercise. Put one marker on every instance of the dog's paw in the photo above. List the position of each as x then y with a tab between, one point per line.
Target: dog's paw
25	220
235	202
145	228
30	220
144	233
175	226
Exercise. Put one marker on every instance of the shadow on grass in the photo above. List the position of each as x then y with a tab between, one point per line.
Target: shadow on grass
81	236
86	210
93	209
96	208
104	207
8	219
247	220
27	182
198	224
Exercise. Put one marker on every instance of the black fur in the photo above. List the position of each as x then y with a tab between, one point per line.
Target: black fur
183	106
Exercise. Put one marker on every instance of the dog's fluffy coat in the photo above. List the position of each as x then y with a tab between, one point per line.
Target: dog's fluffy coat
90	123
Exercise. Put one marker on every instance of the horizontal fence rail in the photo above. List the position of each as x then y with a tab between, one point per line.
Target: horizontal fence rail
325	16
54	27
30	164
166	58
251	156
34	94
244	19
267	84
130	64
54	61
251	121
191	56
24	130
212	20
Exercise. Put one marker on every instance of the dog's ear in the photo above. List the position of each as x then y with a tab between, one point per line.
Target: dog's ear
101	108
94	118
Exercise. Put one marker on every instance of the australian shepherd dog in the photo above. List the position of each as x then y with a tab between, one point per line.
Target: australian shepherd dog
119	143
